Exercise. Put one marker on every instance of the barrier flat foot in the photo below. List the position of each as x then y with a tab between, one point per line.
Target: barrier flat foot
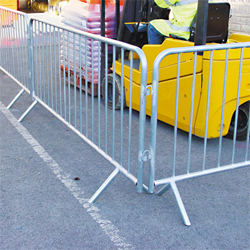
104	186
180	204
27	111
15	99
164	189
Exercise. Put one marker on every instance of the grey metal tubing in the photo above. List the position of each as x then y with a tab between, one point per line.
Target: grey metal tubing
74	62
99	95
176	113
207	110
11	33
60	78
64	75
31	64
122	101
191	113
237	104
92	95
113	107
157	62
106	99
130	111
223	108
180	203
86	92
27	111
15	98
104	186
201	173
69	74
89	142
43	88
70	35
164	189
55	71
80	82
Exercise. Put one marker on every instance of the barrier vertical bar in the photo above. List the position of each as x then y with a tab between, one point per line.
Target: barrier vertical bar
223	107
31	57
191	113
92	92
80	81
74	63
130	110
99	94
113	107
237	104
122	103
207	109
86	87
176	112
106	99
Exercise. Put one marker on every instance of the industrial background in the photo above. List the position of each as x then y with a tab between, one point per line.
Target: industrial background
239	22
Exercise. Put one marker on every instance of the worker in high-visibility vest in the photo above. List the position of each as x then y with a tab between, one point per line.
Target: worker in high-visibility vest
183	11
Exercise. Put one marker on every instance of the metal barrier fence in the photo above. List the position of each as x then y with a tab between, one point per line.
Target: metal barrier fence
14	41
54	63
64	61
201	106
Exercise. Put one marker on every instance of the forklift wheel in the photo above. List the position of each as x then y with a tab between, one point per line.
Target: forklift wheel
117	82
243	123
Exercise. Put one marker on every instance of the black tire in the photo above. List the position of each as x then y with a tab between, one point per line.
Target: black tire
118	98
243	123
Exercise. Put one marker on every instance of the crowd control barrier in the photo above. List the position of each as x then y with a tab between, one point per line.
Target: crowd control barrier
54	63
64	61
14	47
202	107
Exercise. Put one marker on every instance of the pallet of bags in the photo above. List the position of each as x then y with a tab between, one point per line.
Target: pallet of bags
81	56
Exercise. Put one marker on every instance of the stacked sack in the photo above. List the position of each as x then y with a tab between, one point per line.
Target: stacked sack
86	17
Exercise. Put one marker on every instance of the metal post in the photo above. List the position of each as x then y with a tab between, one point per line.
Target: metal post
102	34
201	22
30	56
117	16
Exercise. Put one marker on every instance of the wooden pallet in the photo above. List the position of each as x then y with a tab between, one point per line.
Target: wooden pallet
77	80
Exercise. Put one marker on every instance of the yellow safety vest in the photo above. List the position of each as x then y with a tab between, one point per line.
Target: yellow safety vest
183	12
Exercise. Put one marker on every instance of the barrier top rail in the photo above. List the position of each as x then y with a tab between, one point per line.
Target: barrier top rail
200	48
97	37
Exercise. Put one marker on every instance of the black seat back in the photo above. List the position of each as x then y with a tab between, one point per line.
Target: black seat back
217	23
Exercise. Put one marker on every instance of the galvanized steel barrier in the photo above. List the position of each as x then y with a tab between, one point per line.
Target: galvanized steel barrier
14	49
186	156
54	63
64	61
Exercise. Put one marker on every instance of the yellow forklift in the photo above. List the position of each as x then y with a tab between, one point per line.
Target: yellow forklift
133	30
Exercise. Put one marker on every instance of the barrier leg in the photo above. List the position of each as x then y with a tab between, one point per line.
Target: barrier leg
180	204
104	186
27	111
164	189
15	99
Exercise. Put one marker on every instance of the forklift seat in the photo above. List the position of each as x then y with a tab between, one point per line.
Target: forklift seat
217	23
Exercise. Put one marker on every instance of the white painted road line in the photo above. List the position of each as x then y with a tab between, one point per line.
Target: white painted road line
111	231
